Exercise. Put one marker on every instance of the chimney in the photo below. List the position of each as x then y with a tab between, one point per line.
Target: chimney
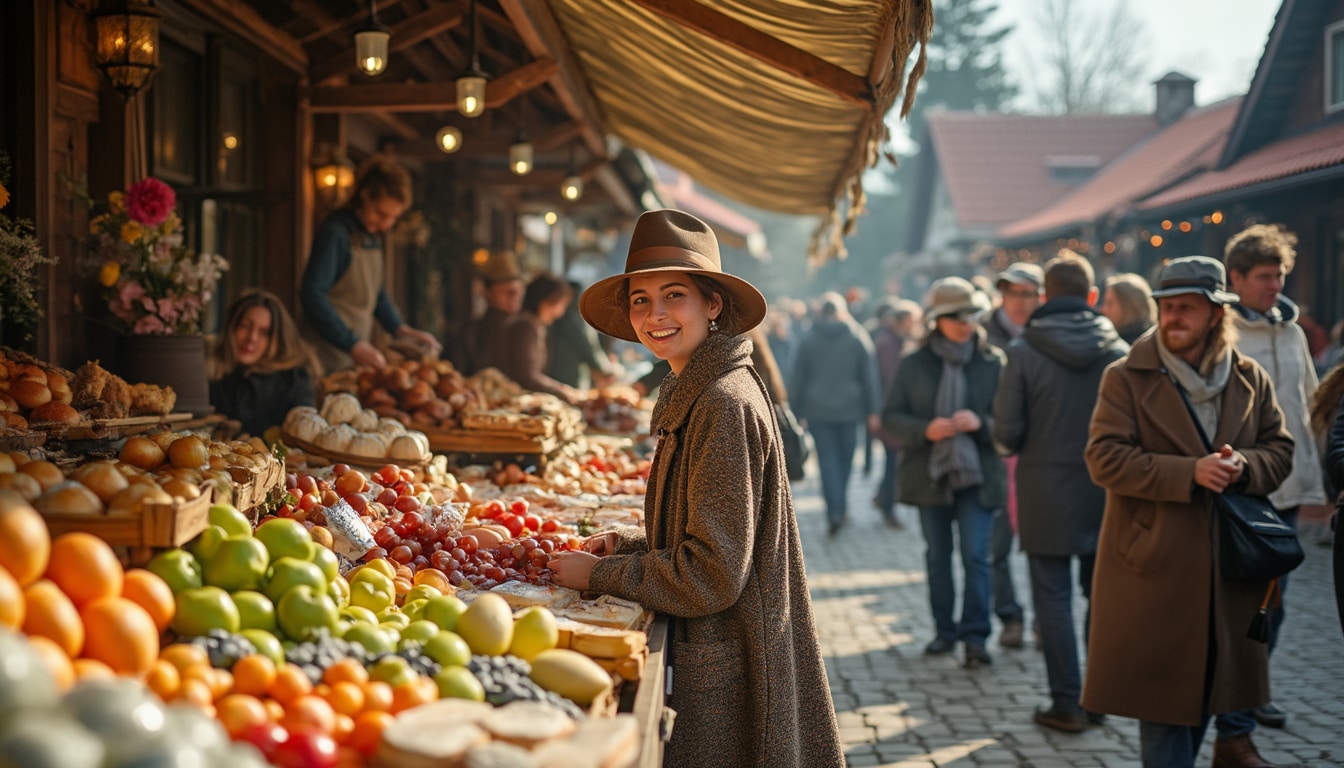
1175	95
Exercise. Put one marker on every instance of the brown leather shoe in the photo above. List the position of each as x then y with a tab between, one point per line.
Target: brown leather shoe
1239	752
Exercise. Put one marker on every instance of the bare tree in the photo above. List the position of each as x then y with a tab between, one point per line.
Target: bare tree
1089	57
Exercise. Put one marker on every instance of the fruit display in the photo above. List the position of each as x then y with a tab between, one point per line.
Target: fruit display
419	393
344	429
617	409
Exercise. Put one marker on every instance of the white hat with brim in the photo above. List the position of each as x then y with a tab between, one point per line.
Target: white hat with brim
669	241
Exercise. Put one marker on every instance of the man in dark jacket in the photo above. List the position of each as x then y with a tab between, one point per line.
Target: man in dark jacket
1041	415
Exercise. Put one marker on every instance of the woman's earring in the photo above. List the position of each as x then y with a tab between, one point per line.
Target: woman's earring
713	325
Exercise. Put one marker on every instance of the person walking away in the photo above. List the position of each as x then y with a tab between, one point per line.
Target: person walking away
525	349
342	291
1168	643
1019	288
1041	414
835	394
1258	259
898	321
576	356
939	408
1128	304
719	552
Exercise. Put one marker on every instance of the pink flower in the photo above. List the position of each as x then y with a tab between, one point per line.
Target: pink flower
128	293
150	201
149	324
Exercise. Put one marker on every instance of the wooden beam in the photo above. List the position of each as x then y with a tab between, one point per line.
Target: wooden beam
395	124
481	143
241	20
426	97
406	33
327	25
802	64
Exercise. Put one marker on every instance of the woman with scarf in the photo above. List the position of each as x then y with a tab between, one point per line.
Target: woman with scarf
939	408
719	552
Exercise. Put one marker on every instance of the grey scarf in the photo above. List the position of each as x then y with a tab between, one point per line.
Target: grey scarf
954	458
1203	393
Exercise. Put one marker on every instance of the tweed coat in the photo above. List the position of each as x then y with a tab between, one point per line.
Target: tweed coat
1161	611
910	407
720	552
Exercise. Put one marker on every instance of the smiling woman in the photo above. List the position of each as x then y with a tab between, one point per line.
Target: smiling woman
260	367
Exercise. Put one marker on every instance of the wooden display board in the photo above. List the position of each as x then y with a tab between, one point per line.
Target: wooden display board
158	526
108	429
354	460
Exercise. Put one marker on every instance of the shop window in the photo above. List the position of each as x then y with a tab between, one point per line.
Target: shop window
1334	67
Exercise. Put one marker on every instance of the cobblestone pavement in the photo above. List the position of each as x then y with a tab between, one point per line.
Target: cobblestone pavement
898	708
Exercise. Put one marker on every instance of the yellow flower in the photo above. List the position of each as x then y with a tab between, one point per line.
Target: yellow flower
96	223
131	231
116	203
109	274
4	196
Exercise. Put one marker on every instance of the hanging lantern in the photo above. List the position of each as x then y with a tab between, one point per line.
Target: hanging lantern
471	83
371	45
448	139
127	43
572	188
520	156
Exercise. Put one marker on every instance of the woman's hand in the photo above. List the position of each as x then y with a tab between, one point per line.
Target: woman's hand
601	544
966	421
365	353
940	429
572	569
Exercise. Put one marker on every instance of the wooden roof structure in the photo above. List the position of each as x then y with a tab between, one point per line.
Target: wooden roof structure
776	103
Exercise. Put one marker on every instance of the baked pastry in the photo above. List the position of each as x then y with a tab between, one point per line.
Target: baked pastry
152	400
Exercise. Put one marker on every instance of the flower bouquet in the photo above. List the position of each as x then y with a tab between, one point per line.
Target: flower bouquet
154	285
20	256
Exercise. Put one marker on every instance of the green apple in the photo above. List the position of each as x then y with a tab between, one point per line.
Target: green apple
285	537
414	608
393	670
459	683
326	560
534	631
255	610
393	617
340	590
206	542
444	611
371	636
418	632
228	517
267	644
371	589
178	568
420	592
289	572
302	612
238	563
448	649
203	609
358	615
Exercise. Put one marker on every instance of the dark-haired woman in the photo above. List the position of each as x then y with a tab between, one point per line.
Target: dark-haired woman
526	352
260	367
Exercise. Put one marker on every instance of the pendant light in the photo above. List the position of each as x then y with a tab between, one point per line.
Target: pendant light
371	45
127	49
520	155
572	187
471	83
448	139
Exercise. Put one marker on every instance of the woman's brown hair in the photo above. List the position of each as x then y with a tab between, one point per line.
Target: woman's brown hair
730	317
1326	402
381	177
285	350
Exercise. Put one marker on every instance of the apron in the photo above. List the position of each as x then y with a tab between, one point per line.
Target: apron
354	297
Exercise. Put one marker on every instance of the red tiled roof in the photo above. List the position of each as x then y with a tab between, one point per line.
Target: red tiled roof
996	166
1312	151
1188	145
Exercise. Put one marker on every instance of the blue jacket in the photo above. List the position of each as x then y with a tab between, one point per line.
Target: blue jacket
330	258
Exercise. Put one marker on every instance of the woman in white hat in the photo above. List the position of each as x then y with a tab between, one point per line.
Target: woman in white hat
720	552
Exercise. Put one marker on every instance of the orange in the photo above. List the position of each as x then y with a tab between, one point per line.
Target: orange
164	680
322	535
342	728
413	694
274	709
369	731
11	601
346	670
56	660
253	675
434	578
311	712
120	634
290	683
220	682
84	567
238	712
184	656
152	593
196	692
346	698
86	669
377	696
25	544
49	613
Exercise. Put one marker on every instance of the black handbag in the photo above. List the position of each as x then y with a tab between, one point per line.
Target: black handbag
797	448
1254	544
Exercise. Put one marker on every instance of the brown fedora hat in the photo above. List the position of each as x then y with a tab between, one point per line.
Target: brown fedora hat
669	241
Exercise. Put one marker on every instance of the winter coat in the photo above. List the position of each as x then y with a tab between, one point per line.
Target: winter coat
998	333
1161	611
1334	455
1131	332
910	408
261	400
835	374
1041	414
720	551
1278	344
526	354
890	347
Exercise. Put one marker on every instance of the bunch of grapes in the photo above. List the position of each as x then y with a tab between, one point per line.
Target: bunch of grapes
314	656
224	648
506	679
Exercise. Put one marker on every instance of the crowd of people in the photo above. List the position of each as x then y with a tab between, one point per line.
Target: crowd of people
1093	425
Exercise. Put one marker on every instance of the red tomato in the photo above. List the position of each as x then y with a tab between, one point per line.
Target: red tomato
550	526
305	748
532	522
518	507
266	737
514	523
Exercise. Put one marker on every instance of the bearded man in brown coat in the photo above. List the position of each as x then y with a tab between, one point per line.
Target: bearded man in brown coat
1168	641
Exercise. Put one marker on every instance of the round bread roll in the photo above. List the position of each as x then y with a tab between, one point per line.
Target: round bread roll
22	484
142	452
30	393
55	412
336	438
390	427
103	478
370	445
365	421
44	472
31	373
407	448
14	420
69	498
132	500
8	404
340	408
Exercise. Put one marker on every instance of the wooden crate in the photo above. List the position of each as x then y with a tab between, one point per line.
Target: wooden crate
491	441
158	526
251	486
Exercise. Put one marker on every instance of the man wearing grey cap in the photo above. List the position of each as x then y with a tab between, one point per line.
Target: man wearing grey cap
1183	417
1021	289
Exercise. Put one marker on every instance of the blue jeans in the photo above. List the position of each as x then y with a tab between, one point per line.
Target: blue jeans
1232	724
1169	746
973	523
1001	538
887	488
1052	597
835	441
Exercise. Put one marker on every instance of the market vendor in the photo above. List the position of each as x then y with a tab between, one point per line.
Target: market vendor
525	347
259	366
503	300
342	291
720	552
